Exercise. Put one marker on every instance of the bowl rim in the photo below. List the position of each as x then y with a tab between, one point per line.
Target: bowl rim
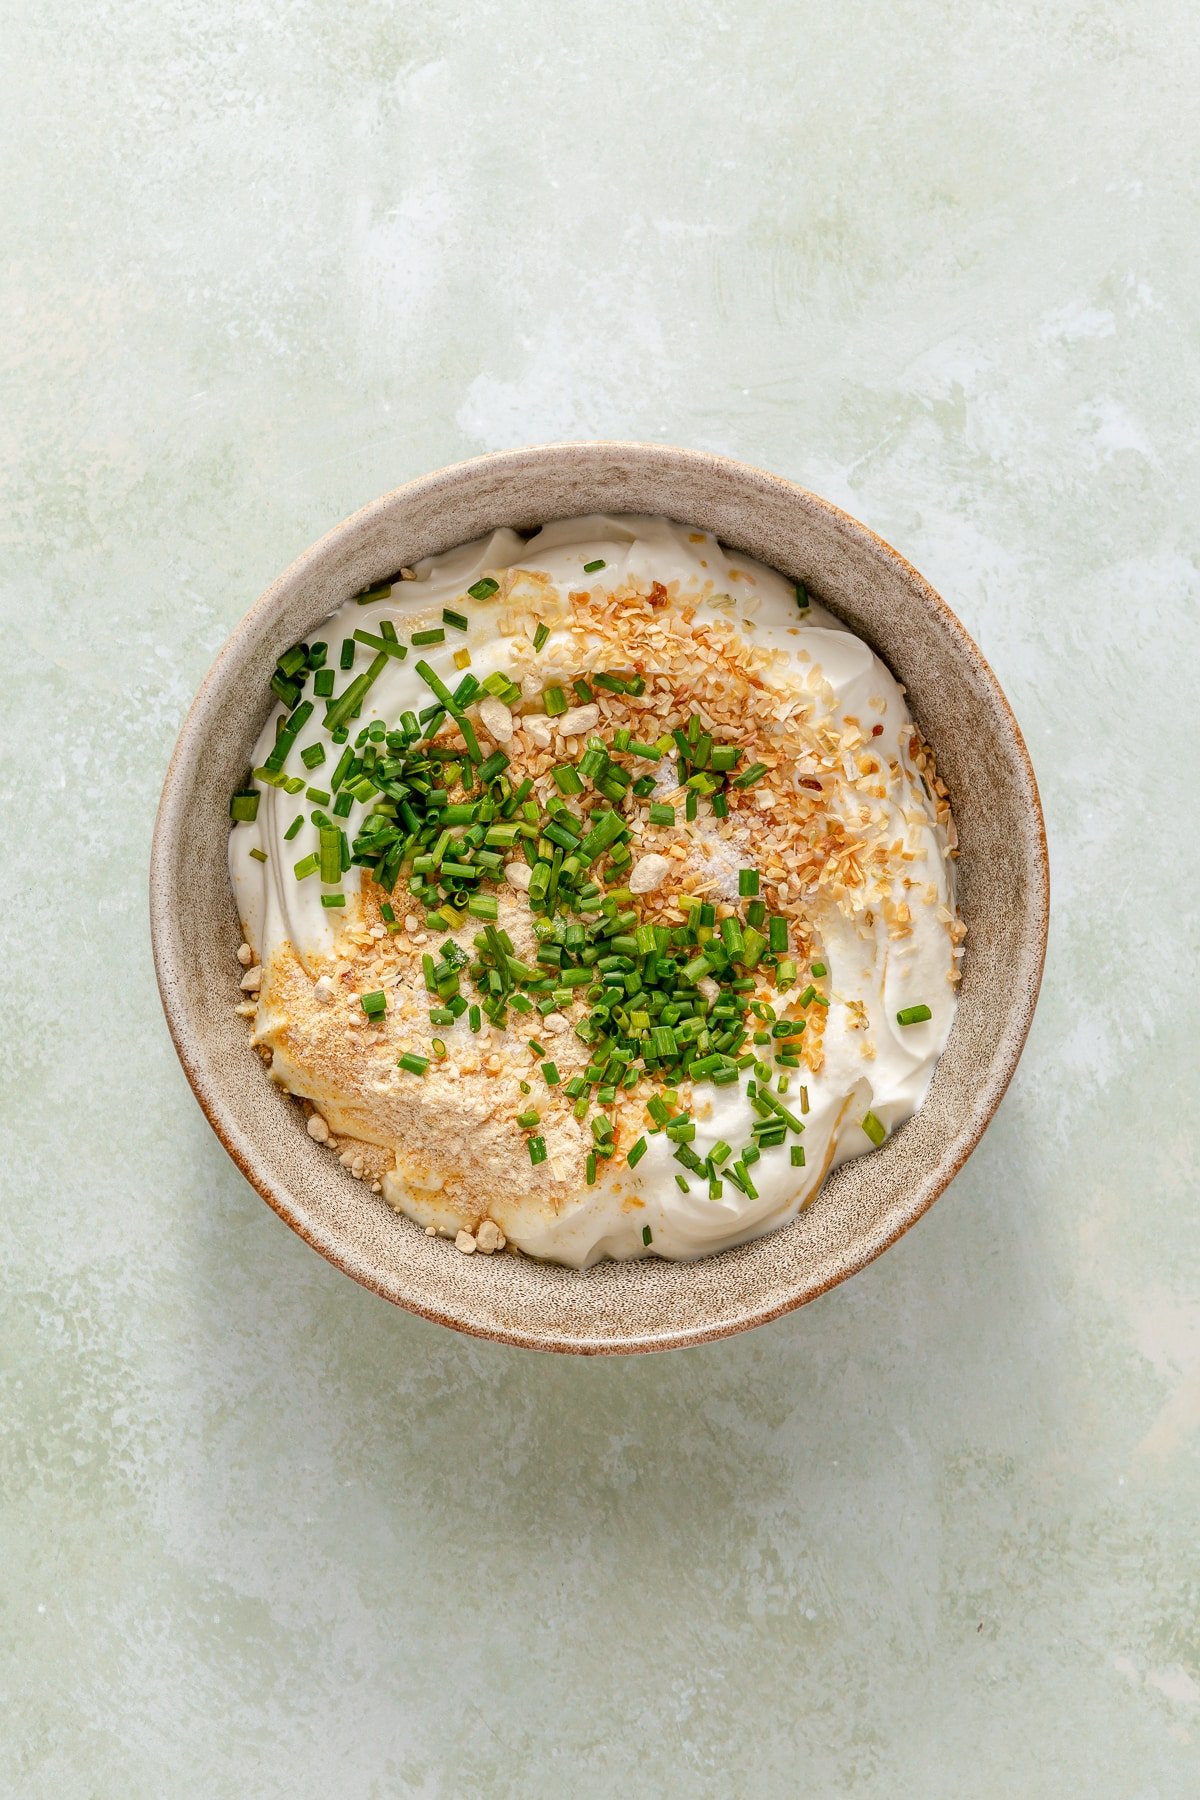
165	946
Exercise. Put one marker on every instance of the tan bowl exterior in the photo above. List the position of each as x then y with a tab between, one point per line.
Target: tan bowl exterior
1004	894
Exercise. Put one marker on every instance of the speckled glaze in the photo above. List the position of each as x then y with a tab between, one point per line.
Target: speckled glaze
1003	892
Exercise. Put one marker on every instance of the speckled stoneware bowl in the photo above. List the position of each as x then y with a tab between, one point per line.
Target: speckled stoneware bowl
1004	895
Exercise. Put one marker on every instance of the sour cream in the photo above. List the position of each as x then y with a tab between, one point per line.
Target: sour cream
880	959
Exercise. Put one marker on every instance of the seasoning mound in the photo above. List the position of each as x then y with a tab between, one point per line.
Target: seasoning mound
599	892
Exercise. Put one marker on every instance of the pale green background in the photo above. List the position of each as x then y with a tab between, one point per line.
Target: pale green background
934	1535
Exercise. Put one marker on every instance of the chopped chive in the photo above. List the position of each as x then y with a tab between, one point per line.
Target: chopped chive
243	808
537	1150
387	645
333	899
566	779
636	1152
527	1120
875	1129
308	865
484	588
555	702
777	934
819	969
797	1156
293	828
590	1169
749	776
550	1073
647	1235
414	1063
380	591
439	1048
661	814
493	766
459	620
323	684
592	567
474	1018
540	636
801	596
433	636
374	1004
312	756
913	1015
347	656
259	855
584	691
747	882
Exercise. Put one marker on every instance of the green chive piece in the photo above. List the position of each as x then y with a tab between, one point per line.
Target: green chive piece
661	814
749	776
527	1120
550	1073
482	906
647	1235
747	883
636	1152
555	702
875	1129
259	855
330	858
592	567
293	828
459	620
434	636
819	969
484	588
540	636
414	1063
801	596
387	645
375	1004
313	756
243	808
379	592
590	1169
333	899
913	1015
537	1150
797	1156
308	865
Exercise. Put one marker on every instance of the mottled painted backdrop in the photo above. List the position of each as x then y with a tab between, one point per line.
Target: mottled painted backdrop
935	1535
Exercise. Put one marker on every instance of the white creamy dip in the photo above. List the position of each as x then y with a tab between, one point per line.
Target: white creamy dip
891	944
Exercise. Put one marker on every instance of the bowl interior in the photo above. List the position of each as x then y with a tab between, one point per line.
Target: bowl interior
1003	892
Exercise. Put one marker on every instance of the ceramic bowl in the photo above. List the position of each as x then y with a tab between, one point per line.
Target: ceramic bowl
1003	875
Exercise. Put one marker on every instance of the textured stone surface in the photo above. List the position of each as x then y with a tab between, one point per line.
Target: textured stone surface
263	1534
